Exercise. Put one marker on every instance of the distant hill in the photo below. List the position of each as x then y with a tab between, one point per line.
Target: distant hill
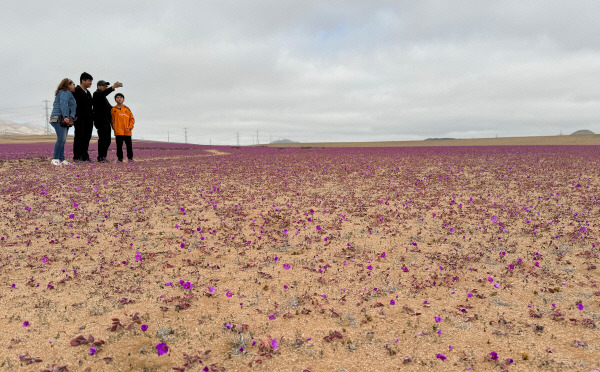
438	139
583	132
282	141
10	128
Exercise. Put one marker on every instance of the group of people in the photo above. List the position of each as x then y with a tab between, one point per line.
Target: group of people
74	106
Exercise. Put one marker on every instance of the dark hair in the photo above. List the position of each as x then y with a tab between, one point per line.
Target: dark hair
119	95
85	76
63	85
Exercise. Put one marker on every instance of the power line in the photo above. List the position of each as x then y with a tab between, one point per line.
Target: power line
18	108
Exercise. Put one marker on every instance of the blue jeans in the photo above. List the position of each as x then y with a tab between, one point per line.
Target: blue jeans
61	138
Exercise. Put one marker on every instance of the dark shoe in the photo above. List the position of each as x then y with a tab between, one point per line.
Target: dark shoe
120	160
130	160
103	161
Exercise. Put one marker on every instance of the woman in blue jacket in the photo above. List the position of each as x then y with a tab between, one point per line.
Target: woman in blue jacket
63	111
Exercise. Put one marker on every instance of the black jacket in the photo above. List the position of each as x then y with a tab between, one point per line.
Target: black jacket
102	107
85	110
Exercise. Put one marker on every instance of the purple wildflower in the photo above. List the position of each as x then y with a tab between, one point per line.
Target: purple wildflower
162	348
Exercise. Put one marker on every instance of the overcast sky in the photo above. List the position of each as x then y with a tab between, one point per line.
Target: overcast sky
314	70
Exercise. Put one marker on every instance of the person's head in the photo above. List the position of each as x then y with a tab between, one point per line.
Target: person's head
85	80
102	85
120	98
65	84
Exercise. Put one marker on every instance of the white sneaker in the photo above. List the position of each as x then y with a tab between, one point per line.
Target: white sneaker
64	162
55	162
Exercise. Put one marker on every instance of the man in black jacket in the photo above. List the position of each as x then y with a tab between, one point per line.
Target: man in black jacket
84	123
102	117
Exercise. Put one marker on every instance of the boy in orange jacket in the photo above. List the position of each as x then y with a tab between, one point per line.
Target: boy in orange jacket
122	124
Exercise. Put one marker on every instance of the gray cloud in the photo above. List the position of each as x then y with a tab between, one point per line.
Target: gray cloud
317	71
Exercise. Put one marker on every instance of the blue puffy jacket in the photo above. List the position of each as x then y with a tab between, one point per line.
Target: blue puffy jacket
64	105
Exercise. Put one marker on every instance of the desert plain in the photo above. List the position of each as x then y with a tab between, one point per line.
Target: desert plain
388	257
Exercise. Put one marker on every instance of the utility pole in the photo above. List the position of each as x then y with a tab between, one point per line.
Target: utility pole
185	129
257	141
47	126
238	139
210	141
168	139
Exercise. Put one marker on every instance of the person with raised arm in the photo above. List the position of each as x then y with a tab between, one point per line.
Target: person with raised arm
102	117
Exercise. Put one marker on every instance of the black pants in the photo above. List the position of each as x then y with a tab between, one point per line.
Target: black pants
81	143
127	140
104	133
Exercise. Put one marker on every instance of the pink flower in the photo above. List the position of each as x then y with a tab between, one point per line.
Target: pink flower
286	266
274	344
93	350
580	306
441	357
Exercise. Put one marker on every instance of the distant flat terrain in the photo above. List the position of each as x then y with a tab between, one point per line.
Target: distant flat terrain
37	139
592	139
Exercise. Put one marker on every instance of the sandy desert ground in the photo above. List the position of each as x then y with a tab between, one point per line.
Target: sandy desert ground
203	258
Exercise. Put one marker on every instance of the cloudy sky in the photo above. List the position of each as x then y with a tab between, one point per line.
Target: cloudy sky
314	71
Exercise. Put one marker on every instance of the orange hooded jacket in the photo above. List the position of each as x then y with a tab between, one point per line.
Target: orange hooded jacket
122	120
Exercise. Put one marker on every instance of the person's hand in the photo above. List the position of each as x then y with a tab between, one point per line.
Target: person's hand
117	85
